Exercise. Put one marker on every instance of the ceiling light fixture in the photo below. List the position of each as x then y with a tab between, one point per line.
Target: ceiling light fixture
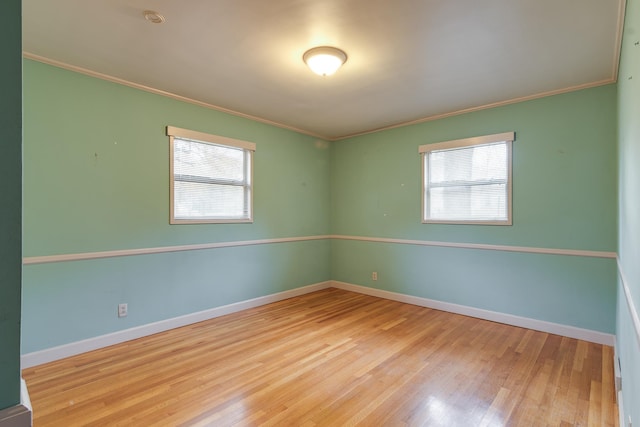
153	17
324	60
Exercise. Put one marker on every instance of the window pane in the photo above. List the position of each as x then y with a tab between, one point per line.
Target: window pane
198	200
207	160
480	163
468	180
469	202
211	180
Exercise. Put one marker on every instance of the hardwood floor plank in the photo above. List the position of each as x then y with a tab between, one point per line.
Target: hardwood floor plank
332	358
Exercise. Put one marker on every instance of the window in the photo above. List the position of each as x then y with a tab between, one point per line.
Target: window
468	181
210	178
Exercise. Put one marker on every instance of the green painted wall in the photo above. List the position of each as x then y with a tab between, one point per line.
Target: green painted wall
11	211
628	344
11	207
564	196
97	169
96	178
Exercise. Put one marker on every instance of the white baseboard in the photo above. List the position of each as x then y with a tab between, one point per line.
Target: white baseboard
71	349
620	409
618	386
494	316
635	323
18	415
633	311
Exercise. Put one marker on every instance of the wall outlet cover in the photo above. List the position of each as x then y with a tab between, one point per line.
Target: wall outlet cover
123	310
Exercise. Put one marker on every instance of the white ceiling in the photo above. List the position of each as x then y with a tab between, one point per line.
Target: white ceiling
408	60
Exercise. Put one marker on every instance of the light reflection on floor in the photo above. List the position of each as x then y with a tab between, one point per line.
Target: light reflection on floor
440	414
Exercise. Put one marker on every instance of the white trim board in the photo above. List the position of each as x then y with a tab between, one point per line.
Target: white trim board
630	304
102	76
506	248
494	316
66	350
162	249
633	312
160	92
617	375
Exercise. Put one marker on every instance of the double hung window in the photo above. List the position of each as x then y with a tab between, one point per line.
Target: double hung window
211	178
468	181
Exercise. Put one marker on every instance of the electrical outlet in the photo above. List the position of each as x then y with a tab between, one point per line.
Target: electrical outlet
123	310
374	275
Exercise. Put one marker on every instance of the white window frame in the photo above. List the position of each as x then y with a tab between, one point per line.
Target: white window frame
205	138
425	150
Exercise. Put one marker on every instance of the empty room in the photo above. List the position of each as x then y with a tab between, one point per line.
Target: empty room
320	213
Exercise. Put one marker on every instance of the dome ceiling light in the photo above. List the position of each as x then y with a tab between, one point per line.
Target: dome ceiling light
324	60
153	17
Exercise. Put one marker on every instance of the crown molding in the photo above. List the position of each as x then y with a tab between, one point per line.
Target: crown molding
434	117
112	79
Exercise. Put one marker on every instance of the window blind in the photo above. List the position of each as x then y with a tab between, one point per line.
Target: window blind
469	182
210	182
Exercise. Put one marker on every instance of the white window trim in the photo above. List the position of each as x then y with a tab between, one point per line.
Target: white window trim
425	149
250	147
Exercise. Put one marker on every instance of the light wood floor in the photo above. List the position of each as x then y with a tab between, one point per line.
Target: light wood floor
332	358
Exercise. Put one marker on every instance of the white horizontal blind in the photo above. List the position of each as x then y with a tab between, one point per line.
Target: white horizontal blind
210	182
467	183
